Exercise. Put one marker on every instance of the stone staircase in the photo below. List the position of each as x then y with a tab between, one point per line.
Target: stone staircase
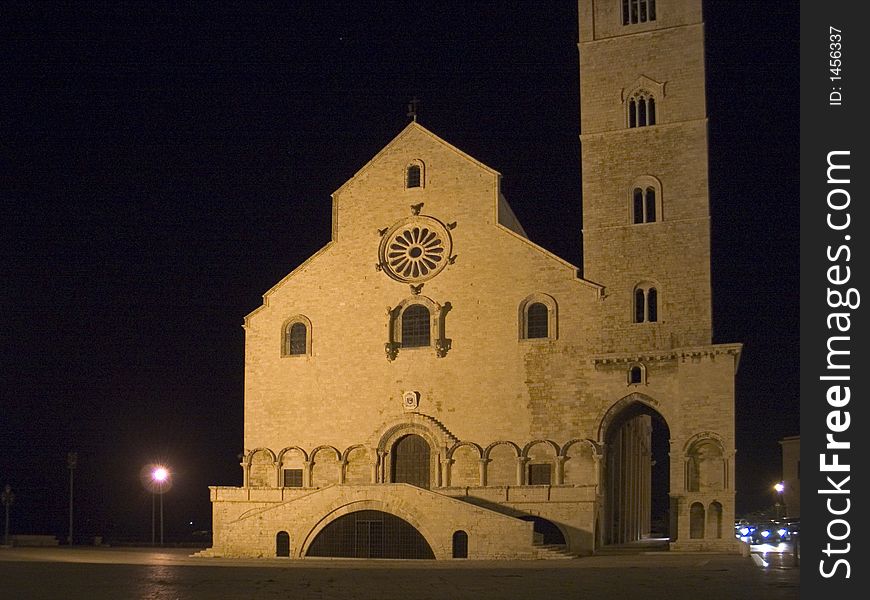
553	552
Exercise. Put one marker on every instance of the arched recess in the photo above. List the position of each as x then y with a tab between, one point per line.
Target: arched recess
261	468
460	544
282	544
292	466
357	465
696	521
501	465
636	471
714	520
540	467
706	465
364	506
325	466
580	458
465	465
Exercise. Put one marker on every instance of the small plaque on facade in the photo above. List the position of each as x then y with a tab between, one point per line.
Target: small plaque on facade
411	400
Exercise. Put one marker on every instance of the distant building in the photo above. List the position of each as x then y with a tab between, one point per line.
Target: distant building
433	384
791	475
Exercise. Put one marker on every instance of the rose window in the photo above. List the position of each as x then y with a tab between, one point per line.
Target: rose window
415	250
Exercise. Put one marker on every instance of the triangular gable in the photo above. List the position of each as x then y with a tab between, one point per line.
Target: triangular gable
416	127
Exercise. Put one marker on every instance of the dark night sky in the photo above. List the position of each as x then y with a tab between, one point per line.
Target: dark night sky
163	165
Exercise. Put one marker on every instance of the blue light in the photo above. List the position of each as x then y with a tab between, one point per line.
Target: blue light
765	533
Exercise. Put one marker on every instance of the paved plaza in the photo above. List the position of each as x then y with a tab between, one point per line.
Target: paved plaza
172	574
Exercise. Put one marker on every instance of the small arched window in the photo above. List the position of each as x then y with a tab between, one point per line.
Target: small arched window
536	320
646	304
537	317
413	178
635	375
416	326
644	204
641	109
297	337
645	200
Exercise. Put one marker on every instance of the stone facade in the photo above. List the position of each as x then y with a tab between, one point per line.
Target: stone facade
432	363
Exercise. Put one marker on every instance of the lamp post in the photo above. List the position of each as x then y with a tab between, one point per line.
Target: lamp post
7	497
780	504
71	461
159	478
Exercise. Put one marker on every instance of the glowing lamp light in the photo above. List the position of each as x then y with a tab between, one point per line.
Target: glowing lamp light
779	487
160	474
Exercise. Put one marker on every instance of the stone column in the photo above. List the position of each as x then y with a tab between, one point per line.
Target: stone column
521	469
376	462
445	471
560	469
482	466
306	473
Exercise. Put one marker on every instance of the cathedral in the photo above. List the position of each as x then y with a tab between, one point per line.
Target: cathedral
432	384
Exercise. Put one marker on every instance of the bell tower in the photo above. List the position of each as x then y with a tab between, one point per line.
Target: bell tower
643	123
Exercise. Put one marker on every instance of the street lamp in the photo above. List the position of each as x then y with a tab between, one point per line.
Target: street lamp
160	481
780	504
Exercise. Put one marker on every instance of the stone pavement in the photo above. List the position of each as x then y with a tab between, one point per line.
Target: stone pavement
171	574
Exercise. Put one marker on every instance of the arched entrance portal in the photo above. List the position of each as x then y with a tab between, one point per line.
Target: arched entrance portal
370	534
410	461
636	475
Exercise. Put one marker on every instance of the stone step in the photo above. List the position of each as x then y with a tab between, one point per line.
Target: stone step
553	552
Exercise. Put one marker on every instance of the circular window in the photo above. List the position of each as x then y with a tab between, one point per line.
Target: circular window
415	249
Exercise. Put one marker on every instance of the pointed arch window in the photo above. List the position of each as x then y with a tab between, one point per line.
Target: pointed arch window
641	109
296	339
646	304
